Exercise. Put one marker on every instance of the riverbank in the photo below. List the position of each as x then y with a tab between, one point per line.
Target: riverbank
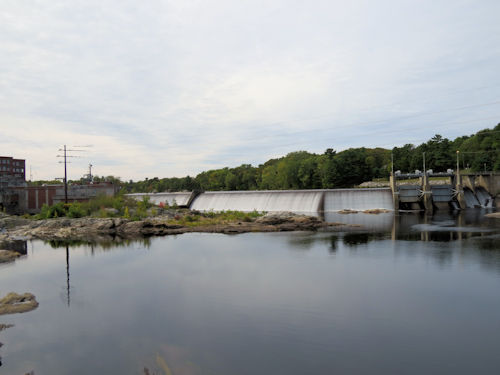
92	229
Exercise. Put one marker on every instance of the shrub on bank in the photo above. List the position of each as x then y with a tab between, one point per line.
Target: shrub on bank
129	208
56	210
195	218
100	206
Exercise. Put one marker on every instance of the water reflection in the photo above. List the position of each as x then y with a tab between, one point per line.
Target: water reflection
100	245
470	232
355	239
18	246
252	303
68	299
406	226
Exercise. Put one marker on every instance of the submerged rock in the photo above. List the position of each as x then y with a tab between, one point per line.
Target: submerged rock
14	303
5	326
376	211
285	217
8	256
347	211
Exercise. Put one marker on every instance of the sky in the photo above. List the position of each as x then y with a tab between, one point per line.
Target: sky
171	88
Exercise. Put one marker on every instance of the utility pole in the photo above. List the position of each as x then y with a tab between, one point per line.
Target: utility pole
66	156
424	164
90	173
392	163
65	179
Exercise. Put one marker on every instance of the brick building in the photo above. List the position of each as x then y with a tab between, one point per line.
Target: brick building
17	197
10	167
30	199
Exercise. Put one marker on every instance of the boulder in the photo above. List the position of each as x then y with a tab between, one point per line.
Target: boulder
8	256
14	303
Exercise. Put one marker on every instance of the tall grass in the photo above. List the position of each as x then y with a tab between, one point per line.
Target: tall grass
100	206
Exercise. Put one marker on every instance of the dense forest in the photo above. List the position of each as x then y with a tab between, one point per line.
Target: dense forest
305	170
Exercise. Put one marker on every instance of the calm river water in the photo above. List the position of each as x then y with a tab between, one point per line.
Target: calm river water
412	295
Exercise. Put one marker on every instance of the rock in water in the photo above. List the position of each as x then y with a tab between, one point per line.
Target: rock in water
14	303
8	256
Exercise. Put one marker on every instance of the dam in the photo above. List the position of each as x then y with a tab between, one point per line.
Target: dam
298	201
460	192
180	199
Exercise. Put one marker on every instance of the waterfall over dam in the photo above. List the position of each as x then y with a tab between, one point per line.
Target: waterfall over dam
300	201
358	199
181	199
484	198
260	200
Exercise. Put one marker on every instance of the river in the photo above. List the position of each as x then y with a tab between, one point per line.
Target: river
409	294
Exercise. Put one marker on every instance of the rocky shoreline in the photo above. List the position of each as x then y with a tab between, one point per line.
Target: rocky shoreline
93	229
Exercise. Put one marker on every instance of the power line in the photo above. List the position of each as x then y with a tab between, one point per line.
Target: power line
66	156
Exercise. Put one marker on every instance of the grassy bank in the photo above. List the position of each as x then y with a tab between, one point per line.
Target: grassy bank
101	206
129	208
195	218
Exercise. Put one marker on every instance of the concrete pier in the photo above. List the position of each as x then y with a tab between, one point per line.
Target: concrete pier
463	191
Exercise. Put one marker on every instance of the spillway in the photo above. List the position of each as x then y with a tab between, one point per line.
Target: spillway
358	199
484	198
181	199
470	199
300	201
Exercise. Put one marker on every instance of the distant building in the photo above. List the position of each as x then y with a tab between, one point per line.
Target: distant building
17	197
30	199
12	177
10	167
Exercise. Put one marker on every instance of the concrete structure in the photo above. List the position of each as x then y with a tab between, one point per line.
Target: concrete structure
30	199
459	192
480	189
180	199
300	201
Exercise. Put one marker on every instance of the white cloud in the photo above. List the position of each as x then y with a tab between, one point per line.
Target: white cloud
175	87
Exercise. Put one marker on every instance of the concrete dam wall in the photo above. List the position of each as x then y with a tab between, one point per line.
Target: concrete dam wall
181	199
300	201
265	200
358	199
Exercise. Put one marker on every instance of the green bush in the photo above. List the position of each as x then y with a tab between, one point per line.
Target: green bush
56	210
144	204
76	210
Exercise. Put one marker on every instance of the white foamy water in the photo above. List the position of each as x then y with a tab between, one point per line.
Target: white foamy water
265	200
484	197
358	199
305	201
470	199
178	198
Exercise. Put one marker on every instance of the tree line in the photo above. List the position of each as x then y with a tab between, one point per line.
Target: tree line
331	169
297	170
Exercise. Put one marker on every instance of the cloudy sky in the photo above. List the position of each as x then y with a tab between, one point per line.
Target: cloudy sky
169	88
